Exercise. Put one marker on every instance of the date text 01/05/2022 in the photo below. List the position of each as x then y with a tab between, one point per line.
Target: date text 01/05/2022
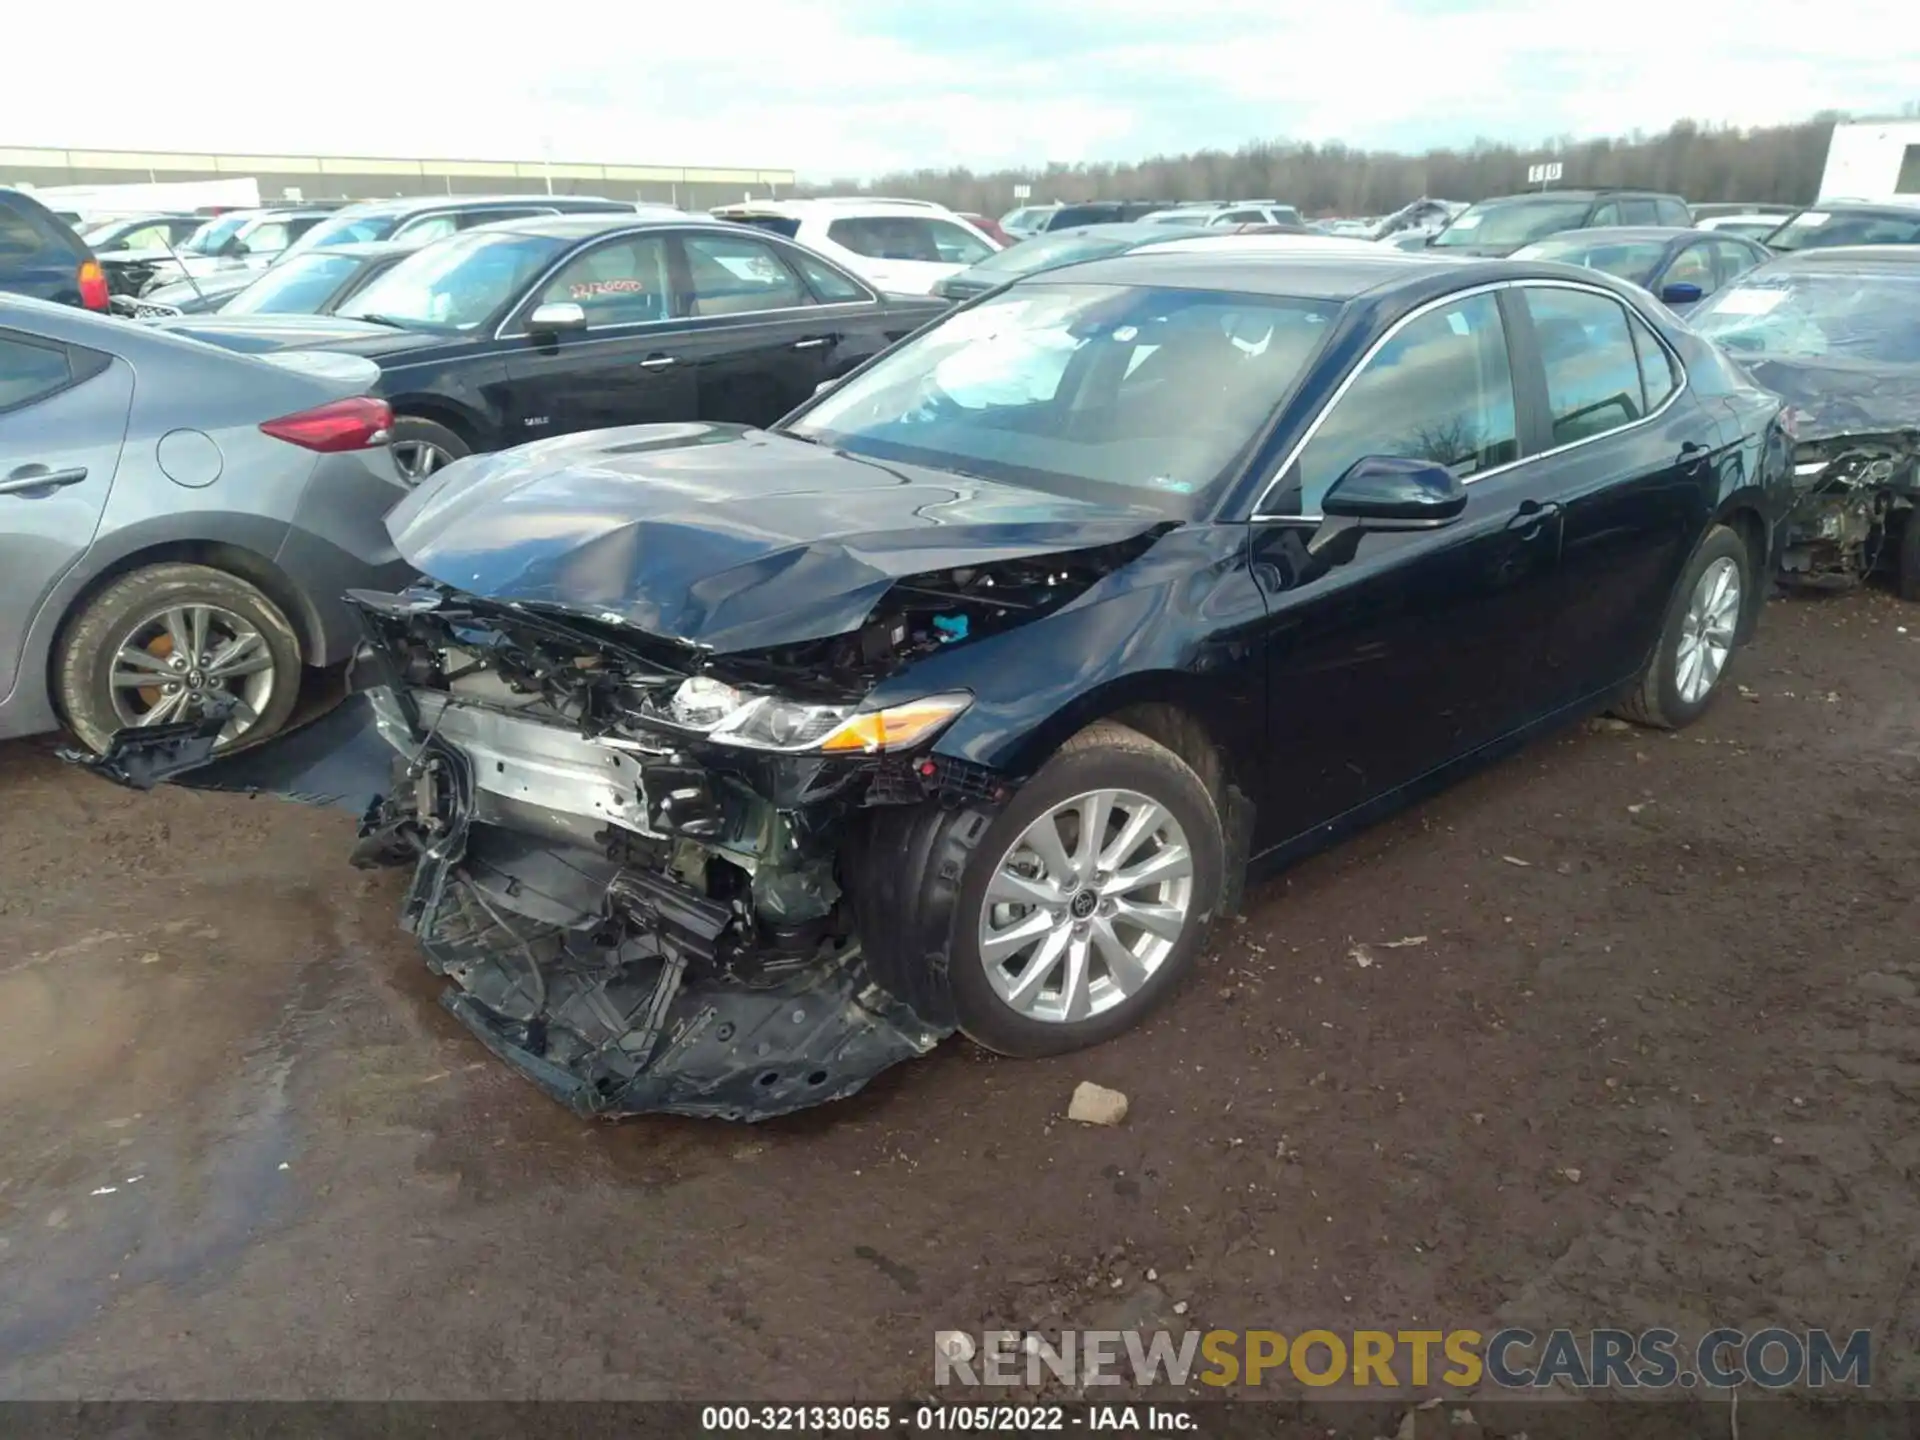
1014	1419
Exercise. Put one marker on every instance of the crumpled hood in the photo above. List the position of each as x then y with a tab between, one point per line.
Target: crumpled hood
720	536
1842	397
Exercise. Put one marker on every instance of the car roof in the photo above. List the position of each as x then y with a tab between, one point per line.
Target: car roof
838	206
588	224
1630	232
1848	257
413	204
366	249
1606	192
1306	273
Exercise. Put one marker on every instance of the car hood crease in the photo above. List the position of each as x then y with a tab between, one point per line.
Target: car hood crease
721	537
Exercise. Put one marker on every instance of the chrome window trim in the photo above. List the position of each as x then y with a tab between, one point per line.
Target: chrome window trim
1439	303
502	331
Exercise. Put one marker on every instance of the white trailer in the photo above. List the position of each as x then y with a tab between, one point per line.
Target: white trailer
1872	160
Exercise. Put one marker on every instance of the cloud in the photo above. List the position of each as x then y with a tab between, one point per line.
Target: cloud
855	87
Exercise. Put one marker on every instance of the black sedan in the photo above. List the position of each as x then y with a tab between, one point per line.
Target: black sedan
1681	266
529	328
743	763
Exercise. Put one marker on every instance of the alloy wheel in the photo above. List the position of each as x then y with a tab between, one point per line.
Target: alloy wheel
1707	630
418	459
178	661
1086	905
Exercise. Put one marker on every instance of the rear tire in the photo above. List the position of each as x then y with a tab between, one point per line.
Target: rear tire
422	447
1100	971
129	628
1704	621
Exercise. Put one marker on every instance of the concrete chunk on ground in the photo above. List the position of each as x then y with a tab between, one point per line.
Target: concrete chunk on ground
1096	1105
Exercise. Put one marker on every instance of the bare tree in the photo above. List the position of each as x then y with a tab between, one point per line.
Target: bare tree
1778	164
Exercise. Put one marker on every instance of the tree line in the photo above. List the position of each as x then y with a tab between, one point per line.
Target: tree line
1775	164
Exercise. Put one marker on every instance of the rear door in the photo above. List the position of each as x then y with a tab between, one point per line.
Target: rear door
63	418
628	367
36	258
1632	460
755	340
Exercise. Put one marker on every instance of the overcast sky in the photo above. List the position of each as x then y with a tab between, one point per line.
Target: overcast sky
856	87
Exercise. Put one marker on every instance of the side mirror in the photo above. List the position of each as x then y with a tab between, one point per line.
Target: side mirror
1680	292
556	318
235	246
1385	493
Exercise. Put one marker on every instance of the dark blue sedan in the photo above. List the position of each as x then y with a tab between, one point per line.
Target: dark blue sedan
1682	267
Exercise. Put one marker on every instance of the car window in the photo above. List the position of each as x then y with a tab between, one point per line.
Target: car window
296	286
1592	368
30	371
1607	212
1441	390
458	284
1731	260
1154	391
1511	222
737	276
1638	212
1241	217
1870	316
957	244
430	227
620	283
779	225
471	218
1658	379
147	237
266	238
1672	212
833	285
1634	260
1822	229
1693	266
19	236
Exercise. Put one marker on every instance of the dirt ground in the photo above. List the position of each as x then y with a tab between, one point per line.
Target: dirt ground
1655	1060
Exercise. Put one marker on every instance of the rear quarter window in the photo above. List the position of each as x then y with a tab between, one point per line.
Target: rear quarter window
24	235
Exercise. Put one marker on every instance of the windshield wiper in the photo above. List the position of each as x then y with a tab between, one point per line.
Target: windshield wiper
373	319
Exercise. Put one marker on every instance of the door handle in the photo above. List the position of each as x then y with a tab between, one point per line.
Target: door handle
814	343
39	477
656	362
1532	516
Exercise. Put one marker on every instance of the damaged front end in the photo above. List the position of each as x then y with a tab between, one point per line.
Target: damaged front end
660	879
1854	494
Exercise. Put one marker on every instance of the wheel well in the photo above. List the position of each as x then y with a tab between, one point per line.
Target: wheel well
1182	732
1752	530
249	565
455	419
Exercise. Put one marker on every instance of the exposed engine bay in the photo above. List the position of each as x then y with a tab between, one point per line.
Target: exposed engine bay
659	879
1855	496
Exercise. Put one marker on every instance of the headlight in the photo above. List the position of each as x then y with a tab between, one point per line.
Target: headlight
767	722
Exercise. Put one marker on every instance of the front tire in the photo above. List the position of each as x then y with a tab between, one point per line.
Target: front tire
1088	899
1705	626
159	644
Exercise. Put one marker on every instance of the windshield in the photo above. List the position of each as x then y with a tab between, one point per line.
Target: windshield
297	286
208	239
1511	223
1822	229
458	284
1867	316
1078	388
1633	260
345	229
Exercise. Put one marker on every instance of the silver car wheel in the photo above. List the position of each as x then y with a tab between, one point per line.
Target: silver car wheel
418	459
176	661
1707	630
1086	905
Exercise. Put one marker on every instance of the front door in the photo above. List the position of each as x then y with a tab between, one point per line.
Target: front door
628	367
63	418
1425	646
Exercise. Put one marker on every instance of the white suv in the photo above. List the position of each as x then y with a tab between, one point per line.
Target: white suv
904	246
